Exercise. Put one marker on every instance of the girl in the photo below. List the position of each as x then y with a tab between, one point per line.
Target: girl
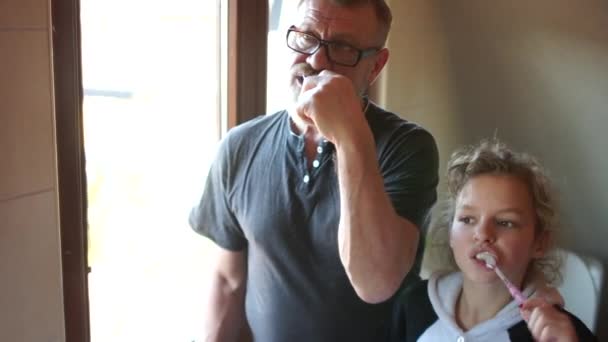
499	204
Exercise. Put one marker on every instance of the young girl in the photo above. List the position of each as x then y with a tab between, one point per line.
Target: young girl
499	204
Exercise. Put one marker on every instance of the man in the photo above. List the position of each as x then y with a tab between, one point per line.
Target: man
317	210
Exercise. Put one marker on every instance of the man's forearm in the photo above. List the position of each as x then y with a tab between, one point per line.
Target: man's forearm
225	319
377	246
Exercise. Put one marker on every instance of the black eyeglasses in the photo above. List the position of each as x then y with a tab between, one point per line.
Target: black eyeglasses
339	53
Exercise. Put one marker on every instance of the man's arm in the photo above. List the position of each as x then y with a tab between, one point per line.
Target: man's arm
225	319
377	246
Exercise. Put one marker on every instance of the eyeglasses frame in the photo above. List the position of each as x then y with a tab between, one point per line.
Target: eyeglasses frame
362	53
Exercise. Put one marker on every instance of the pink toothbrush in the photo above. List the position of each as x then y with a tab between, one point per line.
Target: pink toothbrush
490	261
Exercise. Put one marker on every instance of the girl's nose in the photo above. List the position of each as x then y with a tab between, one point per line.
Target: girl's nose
484	232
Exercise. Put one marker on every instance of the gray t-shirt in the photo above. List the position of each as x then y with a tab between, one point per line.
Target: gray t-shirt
261	197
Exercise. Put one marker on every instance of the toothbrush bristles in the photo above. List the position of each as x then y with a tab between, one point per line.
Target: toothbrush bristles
488	258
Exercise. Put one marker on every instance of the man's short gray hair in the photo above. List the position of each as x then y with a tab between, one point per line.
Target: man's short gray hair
383	12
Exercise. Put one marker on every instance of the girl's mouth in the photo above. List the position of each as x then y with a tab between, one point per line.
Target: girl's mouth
485	259
482	264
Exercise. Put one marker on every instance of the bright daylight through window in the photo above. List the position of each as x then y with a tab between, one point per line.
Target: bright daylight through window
151	116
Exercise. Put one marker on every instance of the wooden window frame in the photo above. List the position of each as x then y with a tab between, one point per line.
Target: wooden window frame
246	98
247	60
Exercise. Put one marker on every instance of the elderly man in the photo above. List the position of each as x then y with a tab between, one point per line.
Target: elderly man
317	209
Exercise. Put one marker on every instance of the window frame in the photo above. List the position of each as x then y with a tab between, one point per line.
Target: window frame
247	46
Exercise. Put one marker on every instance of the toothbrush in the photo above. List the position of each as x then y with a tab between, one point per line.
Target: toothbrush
490	261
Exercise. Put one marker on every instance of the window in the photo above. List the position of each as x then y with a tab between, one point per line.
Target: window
127	100
281	13
151	78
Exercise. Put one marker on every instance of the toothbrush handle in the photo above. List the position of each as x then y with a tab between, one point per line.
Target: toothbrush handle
517	295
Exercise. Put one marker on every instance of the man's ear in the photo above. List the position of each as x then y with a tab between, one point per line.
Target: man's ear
381	59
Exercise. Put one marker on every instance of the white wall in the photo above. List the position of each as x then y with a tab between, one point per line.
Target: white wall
533	72
31	299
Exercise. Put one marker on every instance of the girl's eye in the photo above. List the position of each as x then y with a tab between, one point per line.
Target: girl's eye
506	223
465	219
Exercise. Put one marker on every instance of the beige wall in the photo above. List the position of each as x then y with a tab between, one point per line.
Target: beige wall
416	82
533	72
31	300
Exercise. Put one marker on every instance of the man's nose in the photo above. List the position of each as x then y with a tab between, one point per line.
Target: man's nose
320	59
484	232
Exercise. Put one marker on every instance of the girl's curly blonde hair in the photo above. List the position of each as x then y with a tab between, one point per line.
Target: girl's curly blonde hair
494	157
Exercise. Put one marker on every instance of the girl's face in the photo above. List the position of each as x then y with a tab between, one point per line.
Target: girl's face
495	213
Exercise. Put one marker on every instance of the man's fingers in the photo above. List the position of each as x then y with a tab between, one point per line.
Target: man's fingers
301	110
328	73
323	77
309	82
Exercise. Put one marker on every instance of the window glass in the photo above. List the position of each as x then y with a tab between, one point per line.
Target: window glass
280	19
151	73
